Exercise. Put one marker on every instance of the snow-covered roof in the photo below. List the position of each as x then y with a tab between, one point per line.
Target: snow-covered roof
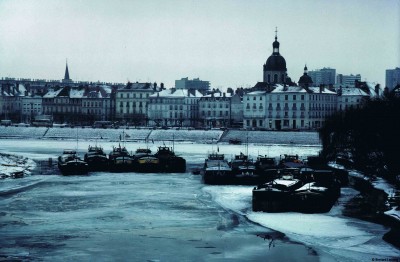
288	89
256	93
217	94
176	93
13	90
137	86
371	87
107	89
352	91
76	93
51	93
316	89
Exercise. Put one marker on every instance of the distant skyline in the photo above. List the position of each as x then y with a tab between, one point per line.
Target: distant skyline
224	42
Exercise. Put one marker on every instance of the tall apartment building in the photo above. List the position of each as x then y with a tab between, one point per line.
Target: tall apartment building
174	107
131	102
392	78
195	84
324	76
215	109
347	80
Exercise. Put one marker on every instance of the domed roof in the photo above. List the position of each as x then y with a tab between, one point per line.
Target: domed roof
305	79
275	62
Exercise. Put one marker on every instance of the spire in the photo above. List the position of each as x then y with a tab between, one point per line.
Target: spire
275	44
66	77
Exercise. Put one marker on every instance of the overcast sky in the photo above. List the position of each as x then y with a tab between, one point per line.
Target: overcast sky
224	42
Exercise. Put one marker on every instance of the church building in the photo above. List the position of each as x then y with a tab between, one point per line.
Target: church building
275	71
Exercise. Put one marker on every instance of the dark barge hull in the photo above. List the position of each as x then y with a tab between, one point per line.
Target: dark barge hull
98	163
271	201
312	202
73	168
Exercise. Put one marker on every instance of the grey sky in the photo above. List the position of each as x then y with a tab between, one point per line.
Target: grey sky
224	42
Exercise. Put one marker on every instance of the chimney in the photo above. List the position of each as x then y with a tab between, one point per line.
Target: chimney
377	89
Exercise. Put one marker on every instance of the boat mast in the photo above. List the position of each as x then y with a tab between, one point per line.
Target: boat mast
76	151
247	145
173	142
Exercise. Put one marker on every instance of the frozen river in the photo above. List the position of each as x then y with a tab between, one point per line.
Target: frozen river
168	217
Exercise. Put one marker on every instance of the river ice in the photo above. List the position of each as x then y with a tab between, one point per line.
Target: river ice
164	217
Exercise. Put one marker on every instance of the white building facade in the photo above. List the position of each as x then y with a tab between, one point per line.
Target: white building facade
288	107
215	110
131	102
174	108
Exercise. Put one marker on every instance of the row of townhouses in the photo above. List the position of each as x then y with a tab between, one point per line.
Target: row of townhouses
277	103
265	106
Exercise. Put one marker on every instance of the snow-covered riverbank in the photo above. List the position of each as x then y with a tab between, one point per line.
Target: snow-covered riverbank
157	135
10	165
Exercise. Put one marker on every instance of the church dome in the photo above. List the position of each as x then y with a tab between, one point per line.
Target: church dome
275	63
305	79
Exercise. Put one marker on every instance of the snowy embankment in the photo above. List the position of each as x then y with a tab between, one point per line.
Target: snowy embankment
11	165
330	233
67	133
383	185
198	136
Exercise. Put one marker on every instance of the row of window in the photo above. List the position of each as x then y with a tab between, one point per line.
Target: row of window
294	97
92	104
295	115
134	95
29	110
214	105
123	112
127	104
285	123
61	110
213	113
